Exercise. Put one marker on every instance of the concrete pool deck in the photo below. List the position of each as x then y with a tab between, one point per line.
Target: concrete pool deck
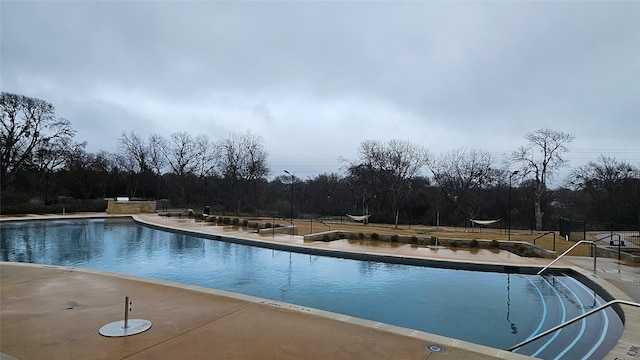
55	312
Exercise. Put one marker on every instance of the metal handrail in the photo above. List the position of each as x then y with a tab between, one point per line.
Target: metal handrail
547	233
619	242
319	219
595	255
580	317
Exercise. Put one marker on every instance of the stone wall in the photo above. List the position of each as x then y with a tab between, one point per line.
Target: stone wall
130	207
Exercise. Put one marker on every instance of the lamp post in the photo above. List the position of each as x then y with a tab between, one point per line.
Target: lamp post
509	215
291	203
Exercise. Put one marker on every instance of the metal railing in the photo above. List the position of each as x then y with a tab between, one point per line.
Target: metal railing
620	242
593	246
580	317
547	233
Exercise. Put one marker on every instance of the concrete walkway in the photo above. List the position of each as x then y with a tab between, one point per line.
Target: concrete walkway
49	312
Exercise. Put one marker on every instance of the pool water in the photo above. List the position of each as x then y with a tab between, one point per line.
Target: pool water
493	309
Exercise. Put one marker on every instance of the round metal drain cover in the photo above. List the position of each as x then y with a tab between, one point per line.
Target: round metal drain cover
435	348
116	328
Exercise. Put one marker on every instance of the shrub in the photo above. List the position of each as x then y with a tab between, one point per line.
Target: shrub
473	243
353	236
361	236
394	238
245	223
375	236
326	238
495	244
267	225
235	222
453	244
226	221
414	240
433	240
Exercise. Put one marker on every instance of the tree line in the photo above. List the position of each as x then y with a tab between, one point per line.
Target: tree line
43	166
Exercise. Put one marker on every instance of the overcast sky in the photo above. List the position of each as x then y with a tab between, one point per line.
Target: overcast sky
314	79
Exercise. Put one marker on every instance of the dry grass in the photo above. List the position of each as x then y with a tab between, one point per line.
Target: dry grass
305	227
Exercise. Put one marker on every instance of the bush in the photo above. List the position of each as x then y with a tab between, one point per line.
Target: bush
267	225
245	223
361	236
375	236
326	238
414	240
353	236
433	240
473	243
454	244
235	222
495	244
394	238
226	221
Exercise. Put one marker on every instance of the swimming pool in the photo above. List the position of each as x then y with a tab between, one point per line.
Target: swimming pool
493	309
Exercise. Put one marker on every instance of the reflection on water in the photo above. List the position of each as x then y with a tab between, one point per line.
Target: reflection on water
454	303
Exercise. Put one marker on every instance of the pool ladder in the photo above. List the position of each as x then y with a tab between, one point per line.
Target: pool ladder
578	318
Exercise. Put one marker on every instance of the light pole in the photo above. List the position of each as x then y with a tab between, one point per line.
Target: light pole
509	215
291	203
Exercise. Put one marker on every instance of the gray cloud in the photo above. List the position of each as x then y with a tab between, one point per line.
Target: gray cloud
316	78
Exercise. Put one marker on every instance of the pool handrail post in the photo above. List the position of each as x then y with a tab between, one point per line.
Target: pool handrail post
569	322
593	246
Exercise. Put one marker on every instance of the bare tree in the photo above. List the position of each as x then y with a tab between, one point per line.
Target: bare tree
28	125
607	182
133	156
188	157
157	161
388	168
243	161
461	174
540	158
53	155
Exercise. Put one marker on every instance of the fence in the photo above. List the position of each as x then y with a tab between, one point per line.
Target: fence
576	230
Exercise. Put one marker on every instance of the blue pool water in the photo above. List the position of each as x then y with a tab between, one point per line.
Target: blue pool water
493	309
